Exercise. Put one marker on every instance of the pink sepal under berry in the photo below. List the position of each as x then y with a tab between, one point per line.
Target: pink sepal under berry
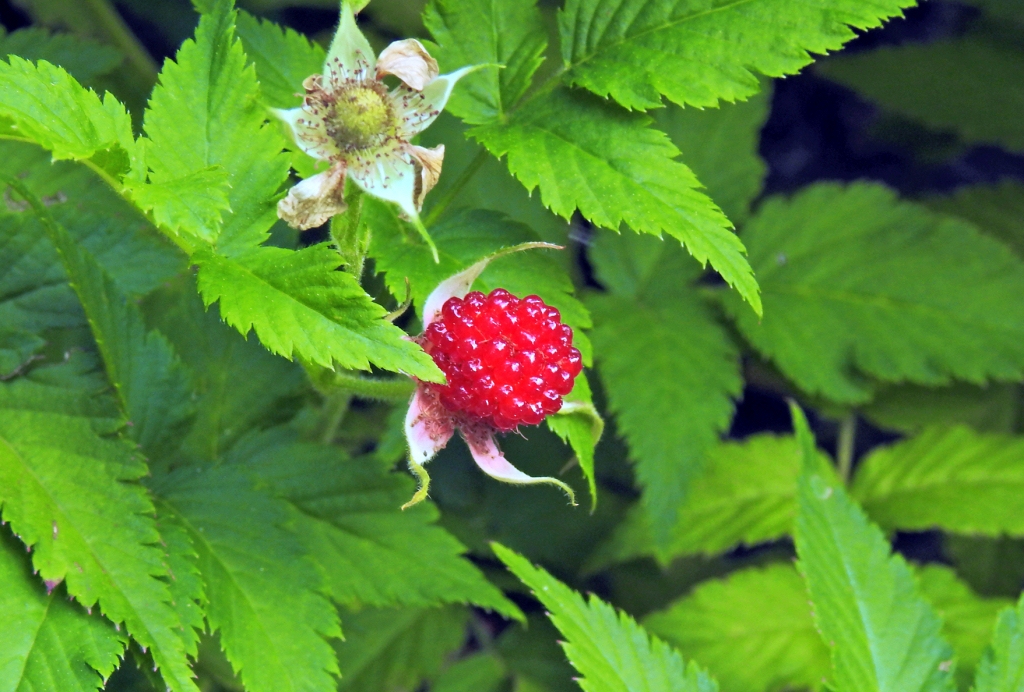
508	361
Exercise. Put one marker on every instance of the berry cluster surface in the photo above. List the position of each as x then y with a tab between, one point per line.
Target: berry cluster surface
508	361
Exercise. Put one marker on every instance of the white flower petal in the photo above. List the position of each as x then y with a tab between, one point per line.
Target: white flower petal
409	61
458	286
350	55
428	427
428	166
389	175
309	132
315	200
492	461
416	110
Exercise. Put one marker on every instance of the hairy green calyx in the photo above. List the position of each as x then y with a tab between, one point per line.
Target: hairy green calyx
359	118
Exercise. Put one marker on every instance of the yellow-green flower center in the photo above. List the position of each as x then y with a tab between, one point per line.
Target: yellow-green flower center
360	117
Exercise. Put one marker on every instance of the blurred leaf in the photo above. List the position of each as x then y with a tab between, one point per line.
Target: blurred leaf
1002	668
997	210
82	58
476	673
16	349
992	566
911	408
283	59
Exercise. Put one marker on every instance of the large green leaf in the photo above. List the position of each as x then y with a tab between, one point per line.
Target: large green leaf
667	338
609	649
752	630
968	85
881	633
1002	668
372	552
622	172
206	112
996	209
84	59
69	493
300	306
48	643
881	288
266	595
283	59
387	650
952	478
700	52
484	32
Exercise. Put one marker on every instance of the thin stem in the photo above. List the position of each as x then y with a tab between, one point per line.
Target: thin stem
397	389
845	445
337	407
451	193
118	33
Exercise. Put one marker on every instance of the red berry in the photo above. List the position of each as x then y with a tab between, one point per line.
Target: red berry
508	361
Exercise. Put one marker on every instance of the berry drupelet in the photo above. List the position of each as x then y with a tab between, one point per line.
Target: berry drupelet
508	361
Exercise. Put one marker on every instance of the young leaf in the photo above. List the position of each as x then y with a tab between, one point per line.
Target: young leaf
952	478
609	649
698	53
82	58
265	593
666	339
283	58
1002	668
880	287
882	634
967	85
480	32
997	210
45	637
206	112
387	649
623	172
68	493
299	306
373	553
753	630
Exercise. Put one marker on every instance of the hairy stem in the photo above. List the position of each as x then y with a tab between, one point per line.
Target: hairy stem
336	407
396	389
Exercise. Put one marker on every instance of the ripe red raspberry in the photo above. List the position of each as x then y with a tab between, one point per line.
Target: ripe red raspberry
508	361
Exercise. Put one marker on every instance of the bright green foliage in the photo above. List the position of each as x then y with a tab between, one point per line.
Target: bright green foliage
191	204
954	478
478	673
298	305
206	112
266	596
720	145
700	52
397	649
48	643
968	85
624	172
372	552
82	58
483	32
752	630
609	649
881	288
1002	668
997	210
68	493
283	59
881	633
664	335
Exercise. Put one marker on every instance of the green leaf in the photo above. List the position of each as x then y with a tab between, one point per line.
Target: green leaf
580	426
752	630
881	288
721	145
373	553
623	172
967	85
300	306
190	204
69	494
882	634
609	649
746	494
397	649
481	32
667	338
967	619
283	59
1002	668
997	210
16	349
953	478
188	595
84	59
46	638
911	408
266	596
206	112
477	673
45	105
698	52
